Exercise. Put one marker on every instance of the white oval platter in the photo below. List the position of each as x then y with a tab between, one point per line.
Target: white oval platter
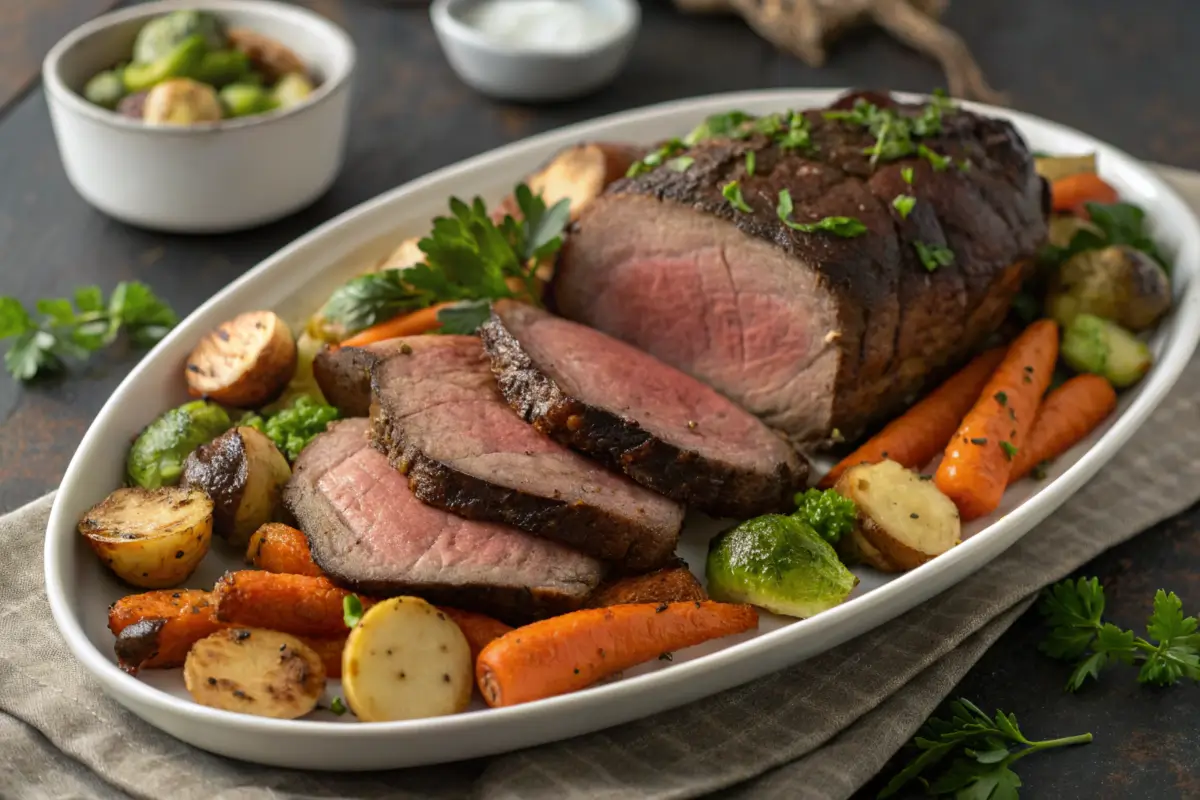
295	280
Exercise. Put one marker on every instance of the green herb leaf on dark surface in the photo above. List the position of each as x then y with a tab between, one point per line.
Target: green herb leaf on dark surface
933	256
732	192
465	317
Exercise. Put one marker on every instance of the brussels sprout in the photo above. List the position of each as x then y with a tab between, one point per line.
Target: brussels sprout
1063	228
222	67
161	35
240	100
1092	344
157	456
778	563
105	89
179	63
292	89
1117	282
182	101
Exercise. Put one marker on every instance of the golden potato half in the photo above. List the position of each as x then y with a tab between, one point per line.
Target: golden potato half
152	538
246	362
255	671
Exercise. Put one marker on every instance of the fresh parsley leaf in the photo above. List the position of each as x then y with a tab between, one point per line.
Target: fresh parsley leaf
933	255
58	310
465	317
845	227
940	162
14	319
732	192
352	610
1073	612
337	706
1009	449
31	353
750	162
680	164
1124	223
89	298
717	125
655	158
798	135
904	203
372	298
907	174
827	512
1178	652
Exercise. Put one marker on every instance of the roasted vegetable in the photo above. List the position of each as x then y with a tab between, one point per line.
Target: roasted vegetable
133	105
105	89
1054	167
150	538
222	67
673	583
161	35
292	428
295	604
244	474
579	174
827	512
155	630
406	660
1063	227
1118	283
270	57
292	89
280	548
855	549
181	101
246	362
244	100
156	458
180	62
255	671
1092	344
902	519
779	563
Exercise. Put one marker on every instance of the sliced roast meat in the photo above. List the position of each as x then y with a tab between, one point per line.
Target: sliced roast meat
369	533
439	417
663	428
344	374
814	333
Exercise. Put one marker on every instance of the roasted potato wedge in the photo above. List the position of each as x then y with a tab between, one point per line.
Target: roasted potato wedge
1054	167
155	630
580	173
908	520
406	660
152	538
244	473
855	549
255	671
405	255
246	362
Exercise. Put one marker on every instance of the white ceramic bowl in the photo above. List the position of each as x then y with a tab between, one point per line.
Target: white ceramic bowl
207	178
533	74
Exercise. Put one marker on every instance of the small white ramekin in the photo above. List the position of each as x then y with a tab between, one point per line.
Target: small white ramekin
207	178
535	74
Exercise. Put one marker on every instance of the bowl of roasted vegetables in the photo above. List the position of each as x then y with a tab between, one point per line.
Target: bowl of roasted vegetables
201	117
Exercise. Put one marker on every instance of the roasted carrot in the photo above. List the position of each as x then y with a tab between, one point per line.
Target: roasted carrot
155	630
478	629
1071	192
977	461
281	548
567	653
412	324
295	604
330	651
915	437
1068	414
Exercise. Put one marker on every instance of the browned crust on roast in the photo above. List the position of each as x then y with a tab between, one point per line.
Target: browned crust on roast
344	376
579	525
674	583
621	444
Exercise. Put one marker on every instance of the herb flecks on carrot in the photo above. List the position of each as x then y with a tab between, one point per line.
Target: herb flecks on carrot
415	323
568	653
275	547
916	437
979	458
1068	414
1070	193
295	604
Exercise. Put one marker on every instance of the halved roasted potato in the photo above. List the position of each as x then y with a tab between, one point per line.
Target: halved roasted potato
855	549
244	473
152	538
405	255
246	362
580	173
1054	167
255	671
406	660
906	519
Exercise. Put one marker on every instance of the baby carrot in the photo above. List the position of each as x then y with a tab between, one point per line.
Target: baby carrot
568	653
281	548
295	604
412	324
479	630
329	651
1071	192
979	457
1068	414
915	437
155	630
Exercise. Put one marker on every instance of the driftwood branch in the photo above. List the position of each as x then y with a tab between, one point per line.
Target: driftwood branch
805	28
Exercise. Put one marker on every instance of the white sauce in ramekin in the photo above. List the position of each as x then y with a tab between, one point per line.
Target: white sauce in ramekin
539	24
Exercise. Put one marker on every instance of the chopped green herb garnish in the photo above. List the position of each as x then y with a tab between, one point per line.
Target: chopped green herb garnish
1001	398
964	166
798	135
732	192
725	124
337	706
940	163
352	610
845	227
907	174
750	163
1010	450
828	513
904	203
655	158
292	428
680	164
894	133
934	255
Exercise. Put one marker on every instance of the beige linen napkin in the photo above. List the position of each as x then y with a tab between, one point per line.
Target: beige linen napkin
818	730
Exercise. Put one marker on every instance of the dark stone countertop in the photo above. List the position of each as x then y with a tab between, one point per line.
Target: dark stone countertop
1123	71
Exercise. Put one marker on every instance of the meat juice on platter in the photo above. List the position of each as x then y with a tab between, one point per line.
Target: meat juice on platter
530	397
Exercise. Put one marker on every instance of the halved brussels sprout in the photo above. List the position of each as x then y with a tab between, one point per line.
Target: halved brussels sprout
179	62
161	35
1118	283
1092	344
105	89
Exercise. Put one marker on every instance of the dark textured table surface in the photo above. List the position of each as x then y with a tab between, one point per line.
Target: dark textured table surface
1121	70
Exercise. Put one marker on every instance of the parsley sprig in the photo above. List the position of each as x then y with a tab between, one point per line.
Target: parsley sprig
77	329
1117	223
896	134
1074	612
469	260
845	227
984	750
